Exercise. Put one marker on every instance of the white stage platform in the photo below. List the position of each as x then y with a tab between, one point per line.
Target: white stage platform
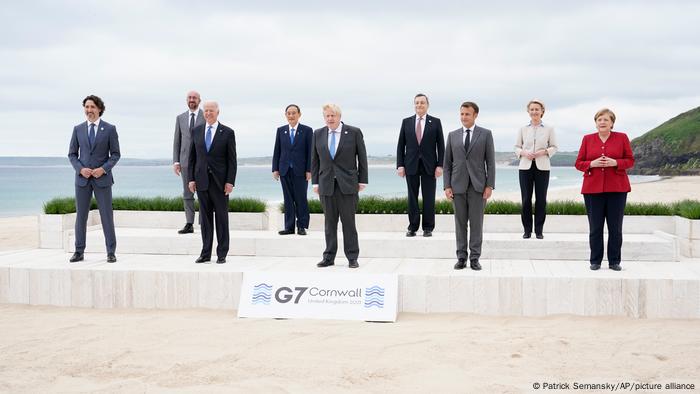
507	287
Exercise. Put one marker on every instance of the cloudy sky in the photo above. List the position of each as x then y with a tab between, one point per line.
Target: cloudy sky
640	58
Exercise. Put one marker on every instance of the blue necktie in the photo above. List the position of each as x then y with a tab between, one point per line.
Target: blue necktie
291	134
332	149
91	135
207	138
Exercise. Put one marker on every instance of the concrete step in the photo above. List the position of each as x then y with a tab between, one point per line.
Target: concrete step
556	246
504	287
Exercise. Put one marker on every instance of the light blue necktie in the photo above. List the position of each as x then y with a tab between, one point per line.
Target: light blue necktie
207	138
291	134
332	149
91	135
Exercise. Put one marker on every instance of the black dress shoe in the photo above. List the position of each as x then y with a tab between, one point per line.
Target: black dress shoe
301	231
410	233
111	258
527	235
202	259
325	263
285	232
595	267
188	229
539	236
353	264
221	260
427	233
461	264
77	256
474	264
615	267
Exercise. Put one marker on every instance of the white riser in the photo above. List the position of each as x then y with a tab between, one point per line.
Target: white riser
641	247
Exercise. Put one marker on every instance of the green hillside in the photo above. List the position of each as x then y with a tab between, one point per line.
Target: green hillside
673	148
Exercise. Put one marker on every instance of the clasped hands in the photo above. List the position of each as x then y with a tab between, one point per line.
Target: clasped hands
604	161
534	155
94	172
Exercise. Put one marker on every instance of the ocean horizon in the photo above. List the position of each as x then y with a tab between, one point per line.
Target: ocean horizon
30	182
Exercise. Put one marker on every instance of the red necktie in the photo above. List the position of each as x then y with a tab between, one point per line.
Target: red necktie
419	131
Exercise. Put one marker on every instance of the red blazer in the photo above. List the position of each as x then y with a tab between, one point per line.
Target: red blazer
600	179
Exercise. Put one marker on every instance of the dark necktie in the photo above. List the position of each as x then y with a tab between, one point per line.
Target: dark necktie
91	135
466	141
191	121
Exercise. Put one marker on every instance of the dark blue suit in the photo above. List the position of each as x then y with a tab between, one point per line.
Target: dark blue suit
103	153
293	161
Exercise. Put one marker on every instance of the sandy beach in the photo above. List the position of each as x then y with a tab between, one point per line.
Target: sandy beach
666	190
50	349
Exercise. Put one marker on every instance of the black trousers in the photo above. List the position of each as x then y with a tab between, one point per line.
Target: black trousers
213	204
340	206
426	184
538	179
296	205
601	208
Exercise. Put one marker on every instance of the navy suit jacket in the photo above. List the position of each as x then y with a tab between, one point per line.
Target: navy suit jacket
105	153
296	156
431	150
220	161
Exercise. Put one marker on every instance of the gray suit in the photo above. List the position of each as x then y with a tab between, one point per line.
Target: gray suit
104	153
338	180
181	154
468	173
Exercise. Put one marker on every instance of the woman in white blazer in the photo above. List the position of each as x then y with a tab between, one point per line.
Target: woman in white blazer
534	146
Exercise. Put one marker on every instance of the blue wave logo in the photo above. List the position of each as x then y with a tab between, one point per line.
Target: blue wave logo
374	297
262	294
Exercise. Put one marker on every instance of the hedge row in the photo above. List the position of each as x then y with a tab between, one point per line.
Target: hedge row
377	205
67	204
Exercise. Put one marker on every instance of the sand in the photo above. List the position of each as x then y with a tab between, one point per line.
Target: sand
66	349
49	349
665	190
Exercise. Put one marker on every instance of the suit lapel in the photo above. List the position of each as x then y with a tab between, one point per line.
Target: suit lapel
99	131
475	138
324	134
215	137
343	139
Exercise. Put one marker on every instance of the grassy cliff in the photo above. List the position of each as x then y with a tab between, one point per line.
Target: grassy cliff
673	148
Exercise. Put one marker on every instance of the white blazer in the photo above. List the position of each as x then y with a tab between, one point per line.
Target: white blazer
533	139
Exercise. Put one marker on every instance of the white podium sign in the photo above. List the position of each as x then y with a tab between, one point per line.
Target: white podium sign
344	296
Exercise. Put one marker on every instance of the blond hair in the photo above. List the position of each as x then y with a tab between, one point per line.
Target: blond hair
333	108
603	112
535	101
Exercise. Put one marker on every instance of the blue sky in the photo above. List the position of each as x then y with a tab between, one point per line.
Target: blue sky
640	58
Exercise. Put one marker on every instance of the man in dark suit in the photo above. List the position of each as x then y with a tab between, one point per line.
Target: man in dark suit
212	174
338	174
291	162
469	178
184	123
93	152
419	156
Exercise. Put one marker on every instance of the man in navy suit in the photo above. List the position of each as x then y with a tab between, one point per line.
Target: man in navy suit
291	162
93	152
419	156
212	174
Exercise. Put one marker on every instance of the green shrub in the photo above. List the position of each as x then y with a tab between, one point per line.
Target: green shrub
63	205
689	209
379	205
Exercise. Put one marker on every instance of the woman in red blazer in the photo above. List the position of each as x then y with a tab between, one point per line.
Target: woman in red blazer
604	158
